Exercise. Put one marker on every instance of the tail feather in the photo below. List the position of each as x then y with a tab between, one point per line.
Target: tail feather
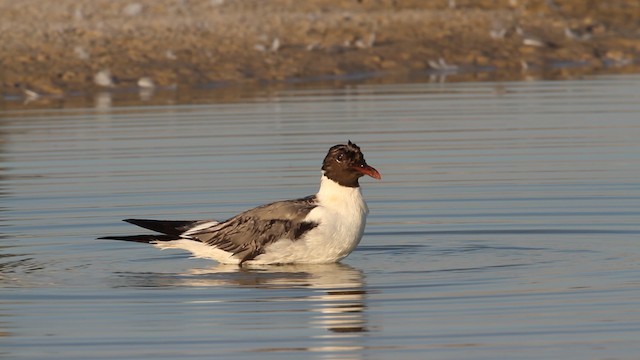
169	230
141	238
167	227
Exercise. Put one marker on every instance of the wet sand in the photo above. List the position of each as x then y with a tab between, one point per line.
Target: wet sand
58	47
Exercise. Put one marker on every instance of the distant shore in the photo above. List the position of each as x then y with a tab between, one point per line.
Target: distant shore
64	46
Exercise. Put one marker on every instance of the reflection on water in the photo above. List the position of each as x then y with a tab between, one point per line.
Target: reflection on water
506	225
335	293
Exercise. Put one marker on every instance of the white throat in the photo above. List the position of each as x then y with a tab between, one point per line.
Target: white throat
341	198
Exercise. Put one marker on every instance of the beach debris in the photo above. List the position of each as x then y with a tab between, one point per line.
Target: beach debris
133	9
584	34
497	32
533	41
552	5
146	83
30	95
616	58
313	46
169	54
275	45
442	65
529	39
103	78
78	15
366	44
81	53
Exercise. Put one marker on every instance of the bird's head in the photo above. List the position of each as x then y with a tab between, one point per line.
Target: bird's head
345	164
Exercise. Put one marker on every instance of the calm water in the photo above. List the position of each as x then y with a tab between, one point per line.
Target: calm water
506	226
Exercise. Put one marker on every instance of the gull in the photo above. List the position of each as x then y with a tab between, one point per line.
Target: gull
317	229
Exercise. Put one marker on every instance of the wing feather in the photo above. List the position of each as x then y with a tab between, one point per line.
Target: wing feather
247	234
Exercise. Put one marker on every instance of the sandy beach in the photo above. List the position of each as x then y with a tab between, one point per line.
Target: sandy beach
63	46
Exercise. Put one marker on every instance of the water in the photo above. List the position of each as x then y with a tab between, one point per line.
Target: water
506	226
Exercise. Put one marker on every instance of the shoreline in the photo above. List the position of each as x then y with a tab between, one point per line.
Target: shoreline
54	49
233	92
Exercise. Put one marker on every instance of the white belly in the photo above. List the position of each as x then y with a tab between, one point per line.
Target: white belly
330	242
341	216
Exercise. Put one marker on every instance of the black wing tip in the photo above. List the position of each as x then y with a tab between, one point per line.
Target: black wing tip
145	239
133	221
167	227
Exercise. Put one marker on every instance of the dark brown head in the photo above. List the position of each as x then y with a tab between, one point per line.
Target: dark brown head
345	164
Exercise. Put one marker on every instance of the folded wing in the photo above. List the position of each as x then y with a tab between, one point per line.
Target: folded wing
247	234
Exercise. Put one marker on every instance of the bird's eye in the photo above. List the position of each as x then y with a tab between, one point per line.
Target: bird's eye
340	158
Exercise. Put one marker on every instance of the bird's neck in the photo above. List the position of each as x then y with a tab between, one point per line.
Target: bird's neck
333	194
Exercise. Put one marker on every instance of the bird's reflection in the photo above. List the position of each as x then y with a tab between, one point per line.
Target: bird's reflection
336	292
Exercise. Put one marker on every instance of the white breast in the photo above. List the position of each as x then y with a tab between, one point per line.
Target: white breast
341	216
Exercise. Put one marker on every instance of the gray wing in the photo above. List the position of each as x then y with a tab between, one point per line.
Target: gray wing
247	234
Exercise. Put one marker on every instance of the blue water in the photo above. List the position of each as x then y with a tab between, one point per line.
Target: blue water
506	225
